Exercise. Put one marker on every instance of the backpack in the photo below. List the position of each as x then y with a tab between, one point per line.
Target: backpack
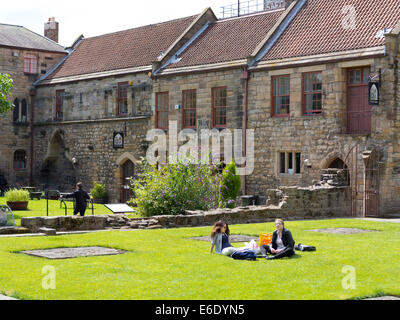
244	255
303	247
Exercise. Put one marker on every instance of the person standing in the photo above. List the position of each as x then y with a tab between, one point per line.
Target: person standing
282	244
81	196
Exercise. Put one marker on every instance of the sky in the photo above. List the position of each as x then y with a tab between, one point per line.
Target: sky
92	18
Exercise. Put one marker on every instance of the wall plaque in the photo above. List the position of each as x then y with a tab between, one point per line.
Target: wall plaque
118	140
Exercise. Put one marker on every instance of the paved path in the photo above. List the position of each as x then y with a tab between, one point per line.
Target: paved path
6	298
384	298
381	220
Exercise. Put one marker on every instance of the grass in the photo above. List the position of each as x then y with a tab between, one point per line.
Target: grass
38	208
168	265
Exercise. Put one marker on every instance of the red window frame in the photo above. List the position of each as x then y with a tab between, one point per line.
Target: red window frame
60	94
19	160
162	110
30	64
217	105
189	105
273	96
123	97
311	93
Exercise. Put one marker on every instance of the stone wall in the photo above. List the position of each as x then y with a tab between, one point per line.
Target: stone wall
287	203
80	147
16	136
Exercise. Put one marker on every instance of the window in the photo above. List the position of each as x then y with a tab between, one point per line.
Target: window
162	110
30	64
281	96
219	107
189	108
123	98
16	111
24	111
289	162
60	104
19	160
312	93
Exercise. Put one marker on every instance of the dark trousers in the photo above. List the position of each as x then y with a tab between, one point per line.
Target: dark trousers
80	210
287	252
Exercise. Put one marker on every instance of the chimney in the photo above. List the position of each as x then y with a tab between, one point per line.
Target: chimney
51	29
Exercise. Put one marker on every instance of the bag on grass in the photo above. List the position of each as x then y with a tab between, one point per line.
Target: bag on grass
303	247
244	255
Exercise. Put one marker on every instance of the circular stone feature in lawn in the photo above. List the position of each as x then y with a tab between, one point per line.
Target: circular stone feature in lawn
69	253
232	238
342	230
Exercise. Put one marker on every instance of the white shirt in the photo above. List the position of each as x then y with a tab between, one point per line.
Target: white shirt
279	243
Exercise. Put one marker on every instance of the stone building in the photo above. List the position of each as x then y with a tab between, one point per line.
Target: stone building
26	56
298	75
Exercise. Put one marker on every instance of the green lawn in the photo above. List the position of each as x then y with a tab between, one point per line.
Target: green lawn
166	264
38	208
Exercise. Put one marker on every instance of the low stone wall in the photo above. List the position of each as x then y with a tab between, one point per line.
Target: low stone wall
289	203
75	223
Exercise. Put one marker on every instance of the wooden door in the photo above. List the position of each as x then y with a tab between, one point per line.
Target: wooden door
358	108
127	171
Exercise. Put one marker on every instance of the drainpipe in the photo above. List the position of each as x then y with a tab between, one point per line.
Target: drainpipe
246	77
32	93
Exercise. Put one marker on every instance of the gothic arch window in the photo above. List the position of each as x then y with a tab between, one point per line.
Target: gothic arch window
19	160
24	111
16	110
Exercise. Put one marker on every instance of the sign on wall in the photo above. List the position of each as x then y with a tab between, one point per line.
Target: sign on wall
373	93
118	140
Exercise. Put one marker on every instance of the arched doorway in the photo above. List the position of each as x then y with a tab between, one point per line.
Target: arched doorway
58	172
127	172
337	164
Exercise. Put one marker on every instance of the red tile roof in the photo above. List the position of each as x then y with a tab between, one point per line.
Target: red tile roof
318	28
229	39
121	50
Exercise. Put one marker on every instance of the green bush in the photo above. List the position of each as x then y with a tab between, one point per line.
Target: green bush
99	191
17	195
175	188
229	186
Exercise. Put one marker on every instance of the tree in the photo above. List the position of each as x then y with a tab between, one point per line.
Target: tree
229	186
6	85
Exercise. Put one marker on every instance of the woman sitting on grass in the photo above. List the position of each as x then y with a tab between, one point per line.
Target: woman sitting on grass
282	244
220	239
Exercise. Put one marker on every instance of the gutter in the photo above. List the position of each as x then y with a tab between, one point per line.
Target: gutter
70	51
272	38
175	58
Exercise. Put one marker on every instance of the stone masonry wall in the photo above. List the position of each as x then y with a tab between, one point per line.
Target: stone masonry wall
16	136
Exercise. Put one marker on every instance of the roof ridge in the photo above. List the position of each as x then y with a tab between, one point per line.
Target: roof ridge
140	27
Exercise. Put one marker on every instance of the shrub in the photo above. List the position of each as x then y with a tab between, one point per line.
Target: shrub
175	188
99	191
17	195
229	186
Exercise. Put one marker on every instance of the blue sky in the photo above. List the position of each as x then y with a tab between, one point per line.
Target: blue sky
91	18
